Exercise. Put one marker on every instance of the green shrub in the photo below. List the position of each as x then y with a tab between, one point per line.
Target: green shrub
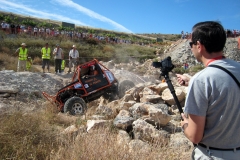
197	68
180	70
92	41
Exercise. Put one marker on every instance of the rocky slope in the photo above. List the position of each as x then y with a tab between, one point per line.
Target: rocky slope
180	51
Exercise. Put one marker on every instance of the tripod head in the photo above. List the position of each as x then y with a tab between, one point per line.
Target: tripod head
165	66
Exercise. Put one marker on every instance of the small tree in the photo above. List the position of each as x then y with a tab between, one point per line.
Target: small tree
29	22
1	17
7	19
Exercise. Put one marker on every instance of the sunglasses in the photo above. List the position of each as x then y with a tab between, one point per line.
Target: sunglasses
191	44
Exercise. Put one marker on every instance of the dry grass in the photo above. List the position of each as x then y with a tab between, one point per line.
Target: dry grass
103	144
37	136
8	62
25	136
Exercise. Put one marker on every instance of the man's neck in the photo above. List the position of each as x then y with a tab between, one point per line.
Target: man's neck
211	57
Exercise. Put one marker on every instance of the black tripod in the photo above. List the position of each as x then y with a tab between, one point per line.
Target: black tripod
166	66
170	86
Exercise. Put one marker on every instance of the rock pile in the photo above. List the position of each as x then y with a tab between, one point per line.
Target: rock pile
144	111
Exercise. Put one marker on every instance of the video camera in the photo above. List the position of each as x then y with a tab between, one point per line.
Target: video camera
165	65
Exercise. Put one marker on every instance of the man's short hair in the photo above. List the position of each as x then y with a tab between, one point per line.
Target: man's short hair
211	34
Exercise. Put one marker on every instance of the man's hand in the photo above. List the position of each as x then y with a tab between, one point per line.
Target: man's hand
182	80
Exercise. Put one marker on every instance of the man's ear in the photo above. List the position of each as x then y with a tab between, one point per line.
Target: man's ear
200	47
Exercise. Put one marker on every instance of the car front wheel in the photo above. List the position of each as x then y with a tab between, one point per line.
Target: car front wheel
75	106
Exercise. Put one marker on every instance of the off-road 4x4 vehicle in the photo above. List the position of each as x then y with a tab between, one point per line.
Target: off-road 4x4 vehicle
83	89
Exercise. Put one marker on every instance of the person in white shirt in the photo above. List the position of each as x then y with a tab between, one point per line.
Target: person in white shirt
3	26
73	58
35	31
58	56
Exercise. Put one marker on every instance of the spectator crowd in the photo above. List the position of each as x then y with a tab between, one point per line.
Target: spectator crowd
53	32
230	33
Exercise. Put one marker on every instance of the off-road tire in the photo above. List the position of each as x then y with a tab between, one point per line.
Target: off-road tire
124	86
75	106
111	94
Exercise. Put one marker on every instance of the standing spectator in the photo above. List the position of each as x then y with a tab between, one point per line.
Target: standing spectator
73	58
235	33
29	64
46	55
63	65
7	26
212	118
18	29
62	33
3	26
22	28
29	30
22	57
48	32
186	35
12	28
40	31
182	33
185	66
58	56
35	31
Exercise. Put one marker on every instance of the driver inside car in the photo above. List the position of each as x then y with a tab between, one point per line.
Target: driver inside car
92	72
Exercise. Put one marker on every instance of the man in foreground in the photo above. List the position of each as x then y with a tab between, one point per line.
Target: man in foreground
212	107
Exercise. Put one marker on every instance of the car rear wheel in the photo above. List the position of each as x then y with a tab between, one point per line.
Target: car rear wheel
111	93
124	86
75	106
109	96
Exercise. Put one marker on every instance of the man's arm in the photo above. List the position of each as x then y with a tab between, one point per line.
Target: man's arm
62	54
17	52
193	127
70	54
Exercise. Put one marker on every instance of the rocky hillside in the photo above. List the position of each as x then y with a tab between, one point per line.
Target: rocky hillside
180	51
146	112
